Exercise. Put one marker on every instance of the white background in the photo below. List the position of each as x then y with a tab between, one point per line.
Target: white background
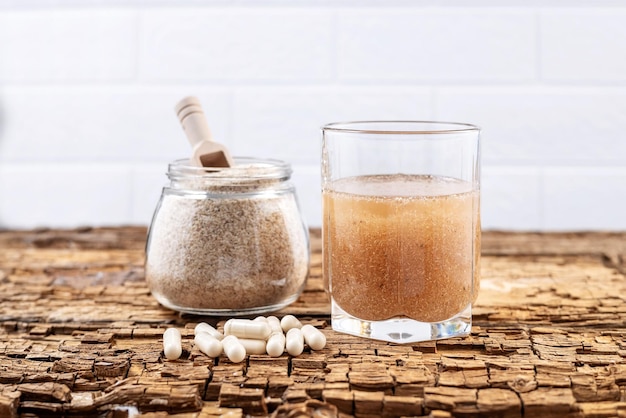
87	90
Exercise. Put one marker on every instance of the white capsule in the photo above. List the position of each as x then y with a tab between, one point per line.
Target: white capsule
172	344
253	346
289	321
294	342
245	328
313	337
274	324
260	318
204	327
233	349
275	346
208	344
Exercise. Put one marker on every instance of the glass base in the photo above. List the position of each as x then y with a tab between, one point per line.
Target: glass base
257	310
402	330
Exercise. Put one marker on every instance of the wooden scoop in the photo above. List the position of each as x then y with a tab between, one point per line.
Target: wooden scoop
206	152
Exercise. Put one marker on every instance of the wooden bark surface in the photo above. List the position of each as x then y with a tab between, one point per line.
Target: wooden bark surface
80	335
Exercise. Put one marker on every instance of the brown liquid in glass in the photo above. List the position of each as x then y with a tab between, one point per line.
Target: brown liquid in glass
401	246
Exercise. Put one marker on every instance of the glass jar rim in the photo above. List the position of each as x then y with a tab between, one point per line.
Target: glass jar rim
245	168
401	127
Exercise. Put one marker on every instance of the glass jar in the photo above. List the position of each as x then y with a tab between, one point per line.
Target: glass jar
228	241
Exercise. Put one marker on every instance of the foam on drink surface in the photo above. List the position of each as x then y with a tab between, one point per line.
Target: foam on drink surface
401	245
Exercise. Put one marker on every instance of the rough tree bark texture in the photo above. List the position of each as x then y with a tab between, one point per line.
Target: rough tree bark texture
80	335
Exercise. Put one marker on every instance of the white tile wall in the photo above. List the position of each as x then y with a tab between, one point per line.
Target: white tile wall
543	125
511	198
101	122
67	45
147	180
235	44
420	44
66	195
584	45
284	122
590	198
87	90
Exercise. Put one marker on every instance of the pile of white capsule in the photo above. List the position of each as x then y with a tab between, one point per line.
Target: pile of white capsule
262	335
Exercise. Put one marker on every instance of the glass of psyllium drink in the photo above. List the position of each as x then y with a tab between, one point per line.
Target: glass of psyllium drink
401	228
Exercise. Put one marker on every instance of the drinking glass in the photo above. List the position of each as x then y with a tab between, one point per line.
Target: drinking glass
401	227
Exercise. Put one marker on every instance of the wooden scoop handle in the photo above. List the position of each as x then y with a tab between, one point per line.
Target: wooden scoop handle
191	117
